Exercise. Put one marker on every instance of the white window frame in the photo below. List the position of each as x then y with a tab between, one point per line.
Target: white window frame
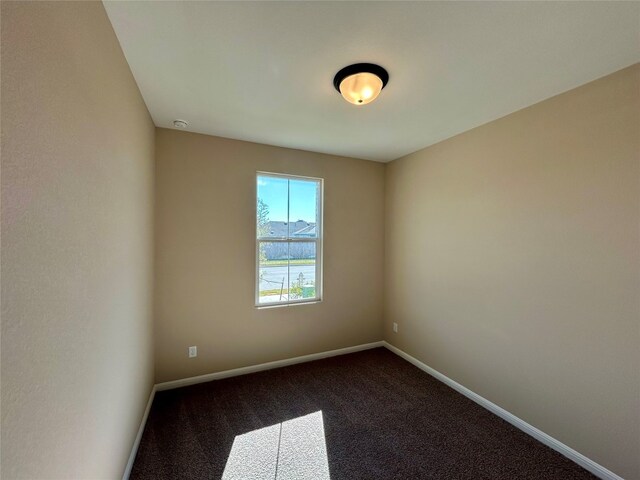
318	240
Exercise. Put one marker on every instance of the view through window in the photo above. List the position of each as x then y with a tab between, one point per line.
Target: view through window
288	239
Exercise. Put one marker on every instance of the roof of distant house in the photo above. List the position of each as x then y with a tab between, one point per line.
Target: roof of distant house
299	228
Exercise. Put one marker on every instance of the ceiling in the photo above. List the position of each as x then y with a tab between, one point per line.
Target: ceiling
263	71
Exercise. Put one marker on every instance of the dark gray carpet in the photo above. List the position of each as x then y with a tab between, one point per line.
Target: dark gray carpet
383	419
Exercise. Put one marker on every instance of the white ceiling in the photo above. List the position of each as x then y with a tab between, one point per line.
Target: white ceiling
263	71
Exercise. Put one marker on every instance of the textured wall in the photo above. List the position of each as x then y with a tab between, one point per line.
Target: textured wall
513	265
77	213
205	256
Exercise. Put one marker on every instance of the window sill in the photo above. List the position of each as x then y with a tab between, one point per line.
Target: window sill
293	304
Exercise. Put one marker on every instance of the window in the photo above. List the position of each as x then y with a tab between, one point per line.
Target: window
288	239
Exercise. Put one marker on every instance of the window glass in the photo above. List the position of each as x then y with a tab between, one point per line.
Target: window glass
288	239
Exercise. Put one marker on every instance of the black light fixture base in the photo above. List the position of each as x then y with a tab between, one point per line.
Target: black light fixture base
377	70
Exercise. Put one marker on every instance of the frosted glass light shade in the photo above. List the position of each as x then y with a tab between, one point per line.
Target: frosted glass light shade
361	88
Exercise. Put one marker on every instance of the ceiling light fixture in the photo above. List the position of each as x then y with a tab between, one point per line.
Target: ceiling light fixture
361	83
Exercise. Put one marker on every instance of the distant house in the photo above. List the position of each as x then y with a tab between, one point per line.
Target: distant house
283	251
299	228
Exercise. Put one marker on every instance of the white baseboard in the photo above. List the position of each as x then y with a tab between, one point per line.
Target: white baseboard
263	366
585	462
136	442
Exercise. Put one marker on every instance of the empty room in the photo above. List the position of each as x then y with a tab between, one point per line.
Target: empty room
320	240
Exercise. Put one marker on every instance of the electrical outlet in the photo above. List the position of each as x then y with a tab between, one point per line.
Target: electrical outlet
193	352
395	327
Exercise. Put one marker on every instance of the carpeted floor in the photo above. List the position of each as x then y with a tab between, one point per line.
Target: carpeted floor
382	417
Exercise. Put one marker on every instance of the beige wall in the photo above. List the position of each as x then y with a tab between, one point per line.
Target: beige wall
77	201
513	261
205	254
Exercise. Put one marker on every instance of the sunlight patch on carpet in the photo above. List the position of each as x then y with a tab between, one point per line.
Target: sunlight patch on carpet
295	449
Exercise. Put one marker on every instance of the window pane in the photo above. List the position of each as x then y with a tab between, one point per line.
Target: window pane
303	208
302	270
272	206
288	209
273	272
